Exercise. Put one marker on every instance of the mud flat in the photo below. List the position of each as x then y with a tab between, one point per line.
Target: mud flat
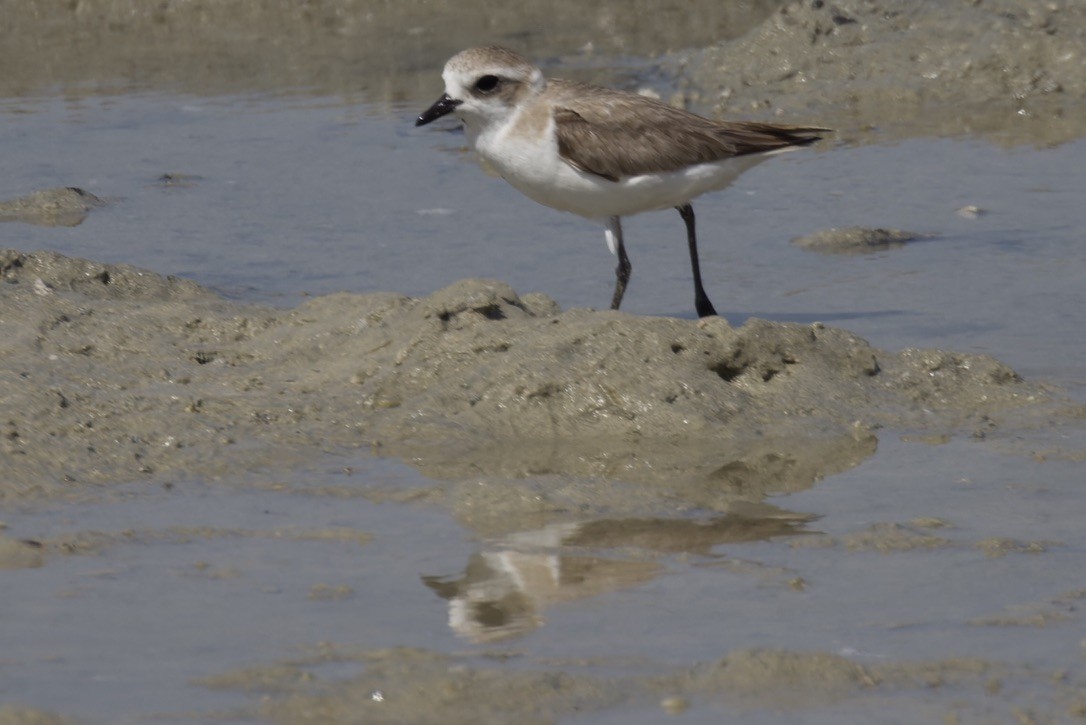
111	373
1012	71
423	687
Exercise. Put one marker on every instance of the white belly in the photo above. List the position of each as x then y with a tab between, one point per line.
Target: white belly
536	170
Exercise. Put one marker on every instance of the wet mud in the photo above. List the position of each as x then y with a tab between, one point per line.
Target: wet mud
425	687
1014	72
856	240
382	52
66	207
112	373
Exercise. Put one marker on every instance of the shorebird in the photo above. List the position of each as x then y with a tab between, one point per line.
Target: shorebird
597	152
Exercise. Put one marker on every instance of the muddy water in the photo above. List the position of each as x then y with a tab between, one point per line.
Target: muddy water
196	525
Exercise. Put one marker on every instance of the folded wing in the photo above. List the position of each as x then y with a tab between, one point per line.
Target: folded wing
617	135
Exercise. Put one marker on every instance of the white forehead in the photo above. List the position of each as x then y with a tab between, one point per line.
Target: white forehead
467	66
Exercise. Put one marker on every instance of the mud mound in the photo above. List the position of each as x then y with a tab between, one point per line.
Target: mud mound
65	207
111	373
48	272
1010	69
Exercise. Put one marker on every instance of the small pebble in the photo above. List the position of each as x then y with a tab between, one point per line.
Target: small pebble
674	705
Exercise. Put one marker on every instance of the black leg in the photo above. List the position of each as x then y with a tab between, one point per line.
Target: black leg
701	300
622	271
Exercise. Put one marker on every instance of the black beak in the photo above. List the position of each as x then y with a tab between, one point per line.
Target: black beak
441	107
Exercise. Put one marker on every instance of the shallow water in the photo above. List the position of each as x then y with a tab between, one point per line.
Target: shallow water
278	199
173	585
282	197
186	582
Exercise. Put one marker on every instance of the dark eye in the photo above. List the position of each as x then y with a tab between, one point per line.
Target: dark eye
486	84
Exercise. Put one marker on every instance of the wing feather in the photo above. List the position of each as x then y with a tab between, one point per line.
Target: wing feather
615	135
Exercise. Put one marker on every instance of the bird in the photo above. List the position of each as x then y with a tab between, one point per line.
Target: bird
597	152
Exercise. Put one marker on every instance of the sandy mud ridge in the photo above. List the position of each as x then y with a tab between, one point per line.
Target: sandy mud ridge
109	373
1013	71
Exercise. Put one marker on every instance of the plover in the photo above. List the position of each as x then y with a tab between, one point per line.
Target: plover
600	153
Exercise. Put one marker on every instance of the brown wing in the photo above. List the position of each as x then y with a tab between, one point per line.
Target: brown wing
615	134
